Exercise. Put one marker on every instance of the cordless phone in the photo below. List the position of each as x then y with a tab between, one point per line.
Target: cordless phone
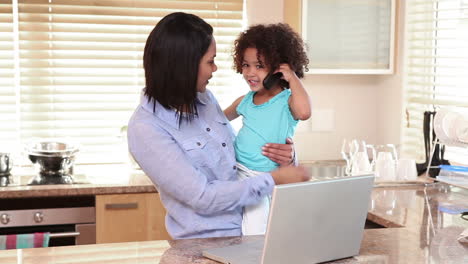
274	79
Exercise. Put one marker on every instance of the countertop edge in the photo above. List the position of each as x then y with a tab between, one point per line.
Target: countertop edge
75	191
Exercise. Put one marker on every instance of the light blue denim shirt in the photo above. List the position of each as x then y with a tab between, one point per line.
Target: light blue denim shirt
194	169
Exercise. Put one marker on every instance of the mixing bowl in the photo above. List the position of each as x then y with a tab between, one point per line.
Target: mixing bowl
52	158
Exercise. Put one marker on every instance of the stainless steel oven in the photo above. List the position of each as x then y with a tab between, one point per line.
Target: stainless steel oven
70	220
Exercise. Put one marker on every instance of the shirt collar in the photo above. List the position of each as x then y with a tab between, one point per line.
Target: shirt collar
202	98
169	115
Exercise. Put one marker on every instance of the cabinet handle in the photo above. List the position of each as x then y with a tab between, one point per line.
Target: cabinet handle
122	206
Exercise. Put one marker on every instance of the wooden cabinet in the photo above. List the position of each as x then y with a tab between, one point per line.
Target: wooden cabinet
346	36
129	217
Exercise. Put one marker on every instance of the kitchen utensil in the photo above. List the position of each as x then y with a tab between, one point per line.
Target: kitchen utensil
6	164
386	152
385	170
361	164
441	123
406	170
385	163
53	159
347	155
432	126
360	160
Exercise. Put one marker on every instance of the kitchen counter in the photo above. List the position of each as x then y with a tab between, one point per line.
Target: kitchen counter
108	179
90	180
420	229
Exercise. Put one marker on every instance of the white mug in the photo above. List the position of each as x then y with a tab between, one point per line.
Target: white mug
384	156
406	170
385	170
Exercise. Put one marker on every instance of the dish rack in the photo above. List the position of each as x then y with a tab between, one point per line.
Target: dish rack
454	175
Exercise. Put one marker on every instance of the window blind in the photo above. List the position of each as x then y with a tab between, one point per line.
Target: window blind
8	124
436	64
81	67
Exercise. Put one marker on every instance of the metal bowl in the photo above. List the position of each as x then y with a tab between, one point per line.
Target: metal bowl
52	148
52	158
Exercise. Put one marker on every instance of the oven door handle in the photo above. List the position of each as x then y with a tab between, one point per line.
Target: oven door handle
64	234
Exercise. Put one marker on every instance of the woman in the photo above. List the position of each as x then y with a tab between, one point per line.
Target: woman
184	143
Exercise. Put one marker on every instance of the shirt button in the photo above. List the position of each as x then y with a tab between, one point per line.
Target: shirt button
224	144
208	129
234	167
198	144
224	123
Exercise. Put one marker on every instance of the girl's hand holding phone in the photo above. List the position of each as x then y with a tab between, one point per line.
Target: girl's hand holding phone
288	74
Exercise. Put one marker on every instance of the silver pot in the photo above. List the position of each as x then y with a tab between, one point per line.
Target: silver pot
52	158
6	163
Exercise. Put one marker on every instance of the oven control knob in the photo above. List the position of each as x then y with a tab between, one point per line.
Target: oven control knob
5	219
38	217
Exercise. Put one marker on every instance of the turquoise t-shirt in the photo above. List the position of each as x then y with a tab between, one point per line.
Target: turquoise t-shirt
270	122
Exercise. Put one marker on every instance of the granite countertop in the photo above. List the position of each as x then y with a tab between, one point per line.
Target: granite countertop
90	180
421	228
97	179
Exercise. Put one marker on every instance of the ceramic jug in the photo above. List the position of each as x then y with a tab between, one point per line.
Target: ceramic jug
360	161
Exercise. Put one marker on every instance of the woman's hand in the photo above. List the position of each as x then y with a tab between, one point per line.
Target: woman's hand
283	154
290	174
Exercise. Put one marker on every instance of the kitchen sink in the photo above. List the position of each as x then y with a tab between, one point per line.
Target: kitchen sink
325	171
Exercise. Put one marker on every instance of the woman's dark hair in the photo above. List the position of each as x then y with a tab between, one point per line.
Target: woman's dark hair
277	43
171	58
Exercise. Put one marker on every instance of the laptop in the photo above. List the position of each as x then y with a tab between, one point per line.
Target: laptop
309	222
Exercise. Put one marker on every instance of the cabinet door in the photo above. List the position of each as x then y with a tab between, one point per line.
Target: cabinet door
347	36
129	217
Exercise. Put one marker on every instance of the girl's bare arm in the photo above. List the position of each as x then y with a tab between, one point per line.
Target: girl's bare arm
231	112
299	102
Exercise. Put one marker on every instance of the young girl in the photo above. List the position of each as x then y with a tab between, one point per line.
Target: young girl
181	139
270	114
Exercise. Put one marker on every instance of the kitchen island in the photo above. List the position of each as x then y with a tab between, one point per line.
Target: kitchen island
411	224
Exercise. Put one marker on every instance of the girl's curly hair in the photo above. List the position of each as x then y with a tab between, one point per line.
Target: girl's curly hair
277	43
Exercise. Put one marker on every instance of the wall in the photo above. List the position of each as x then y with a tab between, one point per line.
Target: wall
390	109
264	11
360	106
